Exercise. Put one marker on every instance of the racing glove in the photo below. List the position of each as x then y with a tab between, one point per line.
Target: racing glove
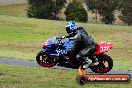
63	36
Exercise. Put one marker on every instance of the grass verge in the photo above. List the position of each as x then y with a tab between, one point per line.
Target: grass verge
12	76
14	10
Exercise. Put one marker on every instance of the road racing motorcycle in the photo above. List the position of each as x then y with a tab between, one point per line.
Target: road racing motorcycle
54	53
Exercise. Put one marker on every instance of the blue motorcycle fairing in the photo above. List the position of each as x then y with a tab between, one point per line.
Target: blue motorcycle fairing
68	44
52	50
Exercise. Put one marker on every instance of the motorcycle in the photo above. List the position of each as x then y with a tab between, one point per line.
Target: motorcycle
54	53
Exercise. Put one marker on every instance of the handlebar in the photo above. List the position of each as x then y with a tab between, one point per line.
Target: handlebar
59	39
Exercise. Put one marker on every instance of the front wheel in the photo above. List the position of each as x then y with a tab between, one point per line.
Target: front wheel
44	60
81	79
105	64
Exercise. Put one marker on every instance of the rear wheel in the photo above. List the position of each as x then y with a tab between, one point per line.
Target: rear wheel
105	64
44	60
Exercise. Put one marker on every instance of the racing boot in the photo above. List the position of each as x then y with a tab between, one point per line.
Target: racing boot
88	62
95	63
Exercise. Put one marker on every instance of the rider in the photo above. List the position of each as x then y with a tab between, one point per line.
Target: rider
83	40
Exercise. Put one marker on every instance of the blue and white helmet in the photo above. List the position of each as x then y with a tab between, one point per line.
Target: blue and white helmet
71	27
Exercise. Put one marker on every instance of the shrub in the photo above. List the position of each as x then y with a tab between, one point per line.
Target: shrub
75	11
44	9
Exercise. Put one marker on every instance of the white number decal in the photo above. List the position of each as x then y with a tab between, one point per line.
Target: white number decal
106	48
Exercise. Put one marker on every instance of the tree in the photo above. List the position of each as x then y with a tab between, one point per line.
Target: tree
93	6
44	9
105	8
126	11
75	11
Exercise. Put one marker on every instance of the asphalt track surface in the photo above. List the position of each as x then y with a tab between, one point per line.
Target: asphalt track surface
34	64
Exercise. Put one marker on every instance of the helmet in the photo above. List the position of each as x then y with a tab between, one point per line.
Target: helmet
71	27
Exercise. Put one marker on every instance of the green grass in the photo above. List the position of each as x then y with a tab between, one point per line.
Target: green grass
21	38
14	10
12	76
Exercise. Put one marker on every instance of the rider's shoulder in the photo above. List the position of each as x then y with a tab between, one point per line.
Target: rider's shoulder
80	28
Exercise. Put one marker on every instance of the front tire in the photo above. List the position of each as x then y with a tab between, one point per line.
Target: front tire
44	60
105	64
81	80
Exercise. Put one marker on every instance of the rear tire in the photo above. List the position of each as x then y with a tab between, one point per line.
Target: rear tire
44	60
102	68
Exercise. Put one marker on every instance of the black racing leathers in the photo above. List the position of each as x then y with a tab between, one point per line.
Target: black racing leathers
82	41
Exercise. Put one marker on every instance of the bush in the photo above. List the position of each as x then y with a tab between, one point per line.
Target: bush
75	11
44	9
